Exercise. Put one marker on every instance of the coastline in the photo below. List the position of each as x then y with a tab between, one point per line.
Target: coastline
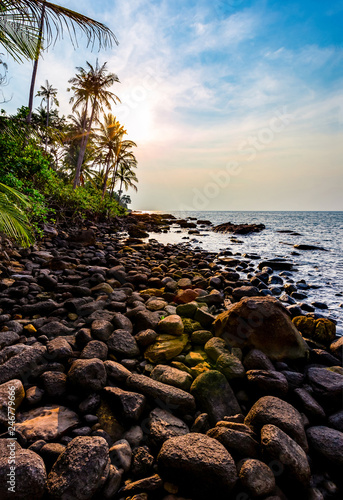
123	338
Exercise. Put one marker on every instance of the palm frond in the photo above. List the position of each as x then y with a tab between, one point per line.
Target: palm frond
13	221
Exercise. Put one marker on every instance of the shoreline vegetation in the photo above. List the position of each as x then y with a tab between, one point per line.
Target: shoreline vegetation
175	376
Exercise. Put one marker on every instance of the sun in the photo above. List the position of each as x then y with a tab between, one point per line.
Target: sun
138	121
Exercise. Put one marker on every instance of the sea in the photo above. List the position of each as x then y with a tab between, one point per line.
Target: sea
322	269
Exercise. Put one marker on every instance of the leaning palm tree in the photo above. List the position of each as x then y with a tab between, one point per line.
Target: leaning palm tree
48	94
91	90
13	221
124	155
25	24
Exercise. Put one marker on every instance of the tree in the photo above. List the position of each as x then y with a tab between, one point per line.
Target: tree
91	91
26	23
13	221
108	140
124	155
127	177
48	94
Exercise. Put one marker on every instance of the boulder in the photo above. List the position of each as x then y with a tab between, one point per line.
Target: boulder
199	464
22	472
277	445
164	425
81	470
257	478
214	396
261	323
327	444
275	411
320	330
13	392
88	374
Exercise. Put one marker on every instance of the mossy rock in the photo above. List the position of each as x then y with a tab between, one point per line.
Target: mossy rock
199	369
108	421
190	326
187	310
320	330
230	366
215	347
336	369
181	366
153	292
193	358
200	337
165	348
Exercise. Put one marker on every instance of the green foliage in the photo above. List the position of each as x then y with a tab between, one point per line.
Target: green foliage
13	220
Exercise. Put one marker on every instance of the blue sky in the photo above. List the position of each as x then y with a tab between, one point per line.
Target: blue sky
234	104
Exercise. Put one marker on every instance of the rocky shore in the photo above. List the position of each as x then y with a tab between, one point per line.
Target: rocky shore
140	371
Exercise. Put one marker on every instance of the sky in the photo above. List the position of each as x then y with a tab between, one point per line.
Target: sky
233	104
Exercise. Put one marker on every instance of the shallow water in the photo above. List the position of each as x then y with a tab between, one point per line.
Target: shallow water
323	269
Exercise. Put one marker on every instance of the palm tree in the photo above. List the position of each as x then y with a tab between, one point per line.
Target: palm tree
25	24
124	155
48	94
127	177
91	91
13	221
108	140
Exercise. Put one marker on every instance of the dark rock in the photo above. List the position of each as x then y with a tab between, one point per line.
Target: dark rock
257	360
239	444
59	349
129	405
163	425
277	445
257	478
29	474
88	374
23	365
142	462
48	422
275	411
74	477
309	405
214	396
123	344
173	397
102	329
336	421
267	382
121	455
54	383
327	443
197	463
95	349
327	387
116	371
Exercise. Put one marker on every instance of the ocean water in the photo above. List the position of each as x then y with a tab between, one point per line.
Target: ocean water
319	268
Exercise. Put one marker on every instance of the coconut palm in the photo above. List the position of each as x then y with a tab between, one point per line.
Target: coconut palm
25	24
91	91
109	137
48	94
124	155
13	221
127	177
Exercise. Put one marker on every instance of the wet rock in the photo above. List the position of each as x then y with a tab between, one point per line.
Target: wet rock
275	411
261	323
277	445
197	463
172	376
201	337
48	422
257	478
163	425
245	291
26	481
169	395
74	477
214	396
327	443
88	374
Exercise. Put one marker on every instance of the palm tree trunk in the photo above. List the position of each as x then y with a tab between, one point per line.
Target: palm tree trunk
47	122
83	149
106	178
35	65
120	191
